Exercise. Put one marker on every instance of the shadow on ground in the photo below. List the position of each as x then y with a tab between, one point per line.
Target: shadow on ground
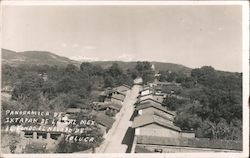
128	139
133	116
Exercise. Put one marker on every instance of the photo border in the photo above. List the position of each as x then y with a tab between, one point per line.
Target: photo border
245	71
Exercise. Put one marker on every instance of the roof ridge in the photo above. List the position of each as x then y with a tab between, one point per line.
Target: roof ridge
157	107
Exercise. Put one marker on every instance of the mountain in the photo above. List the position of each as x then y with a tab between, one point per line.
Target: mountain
158	66
34	58
42	57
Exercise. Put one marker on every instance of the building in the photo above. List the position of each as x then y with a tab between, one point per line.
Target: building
155	109
147	144
157	97
146	91
123	88
73	111
105	122
153	125
7	89
115	96
149	101
110	108
103	106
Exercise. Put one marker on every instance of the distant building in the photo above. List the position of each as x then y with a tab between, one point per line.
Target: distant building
109	107
153	67
155	96
150	101
115	95
146	91
73	110
123	88
7	89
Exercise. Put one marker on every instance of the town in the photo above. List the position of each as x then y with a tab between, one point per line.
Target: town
133	118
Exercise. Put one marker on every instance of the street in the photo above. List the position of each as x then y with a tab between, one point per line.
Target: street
114	142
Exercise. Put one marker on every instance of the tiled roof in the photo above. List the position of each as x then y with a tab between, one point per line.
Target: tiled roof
166	83
150	100
119	92
152	104
146	88
123	88
162	115
156	94
157	97
191	142
112	105
144	120
118	97
104	120
73	110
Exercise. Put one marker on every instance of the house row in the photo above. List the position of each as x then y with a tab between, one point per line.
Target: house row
161	87
154	119
116	94
101	110
155	130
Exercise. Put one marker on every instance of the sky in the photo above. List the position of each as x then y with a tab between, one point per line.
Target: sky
193	36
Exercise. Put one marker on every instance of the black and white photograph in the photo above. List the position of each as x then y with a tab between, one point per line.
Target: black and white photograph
124	78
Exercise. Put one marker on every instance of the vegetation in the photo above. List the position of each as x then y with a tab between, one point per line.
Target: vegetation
210	103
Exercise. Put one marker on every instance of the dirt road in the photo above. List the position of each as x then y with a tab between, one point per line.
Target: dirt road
114	142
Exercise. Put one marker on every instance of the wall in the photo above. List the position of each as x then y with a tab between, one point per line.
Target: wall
187	135
145	92
157	130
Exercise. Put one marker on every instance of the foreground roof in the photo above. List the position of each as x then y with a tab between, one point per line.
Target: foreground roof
144	120
191	142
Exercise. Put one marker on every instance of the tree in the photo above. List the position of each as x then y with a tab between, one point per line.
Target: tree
108	81
28	87
141	66
115	70
133	73
90	69
71	70
206	75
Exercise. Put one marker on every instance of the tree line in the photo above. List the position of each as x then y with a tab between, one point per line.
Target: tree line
211	104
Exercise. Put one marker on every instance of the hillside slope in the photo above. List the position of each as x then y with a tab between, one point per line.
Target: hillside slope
34	58
47	58
158	66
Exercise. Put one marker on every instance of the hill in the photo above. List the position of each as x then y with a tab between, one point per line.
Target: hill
47	58
158	66
34	58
